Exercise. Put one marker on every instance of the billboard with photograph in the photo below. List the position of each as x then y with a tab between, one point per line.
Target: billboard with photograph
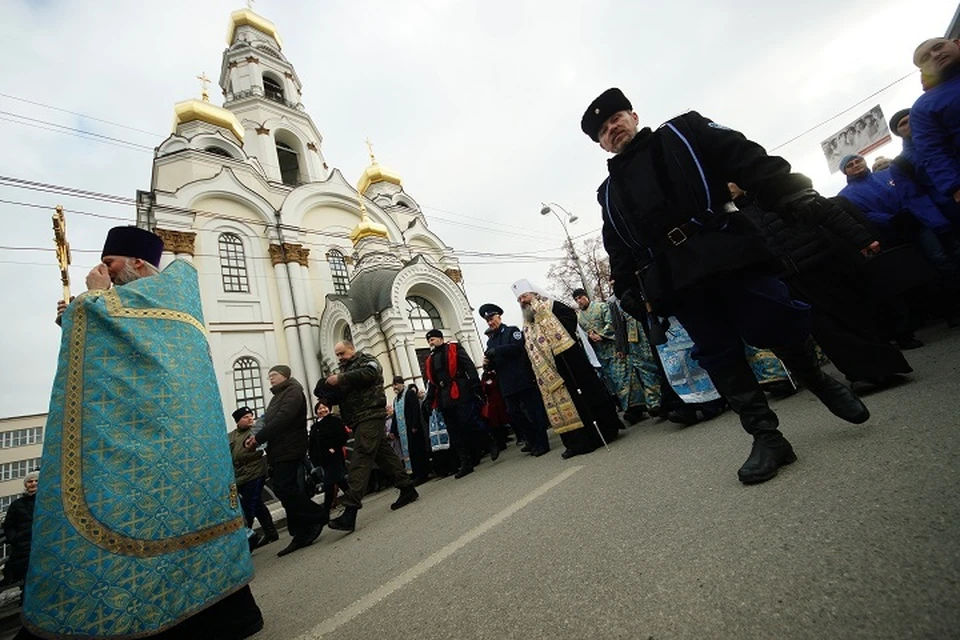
865	134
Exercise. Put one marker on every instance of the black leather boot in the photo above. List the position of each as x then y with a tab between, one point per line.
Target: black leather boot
407	495
347	521
840	399
737	384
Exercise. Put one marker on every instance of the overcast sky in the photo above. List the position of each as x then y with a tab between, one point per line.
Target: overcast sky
476	104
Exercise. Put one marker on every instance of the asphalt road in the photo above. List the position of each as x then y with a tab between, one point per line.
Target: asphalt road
656	538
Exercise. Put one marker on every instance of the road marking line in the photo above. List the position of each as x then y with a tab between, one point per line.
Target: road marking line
411	574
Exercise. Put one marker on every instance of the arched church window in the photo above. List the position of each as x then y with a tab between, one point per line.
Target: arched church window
338	270
217	151
347	333
272	89
422	314
247	384
233	264
289	164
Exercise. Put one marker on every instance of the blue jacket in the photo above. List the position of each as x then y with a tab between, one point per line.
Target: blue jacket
509	359
907	163
885	194
935	127
875	195
914	198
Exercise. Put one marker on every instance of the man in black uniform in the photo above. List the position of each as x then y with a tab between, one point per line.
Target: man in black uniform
673	246
455	390
507	356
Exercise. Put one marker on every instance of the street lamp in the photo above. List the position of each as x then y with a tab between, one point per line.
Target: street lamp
545	209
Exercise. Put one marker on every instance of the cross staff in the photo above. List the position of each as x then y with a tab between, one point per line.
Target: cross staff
63	250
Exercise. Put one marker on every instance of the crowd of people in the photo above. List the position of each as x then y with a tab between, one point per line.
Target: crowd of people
733	278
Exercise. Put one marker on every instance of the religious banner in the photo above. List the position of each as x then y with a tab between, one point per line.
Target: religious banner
867	133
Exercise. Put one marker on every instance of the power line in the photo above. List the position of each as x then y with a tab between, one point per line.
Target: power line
848	109
75	130
82	115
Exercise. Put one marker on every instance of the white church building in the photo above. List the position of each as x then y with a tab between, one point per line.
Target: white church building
291	256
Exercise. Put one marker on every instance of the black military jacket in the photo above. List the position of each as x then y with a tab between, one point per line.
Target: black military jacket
676	177
508	356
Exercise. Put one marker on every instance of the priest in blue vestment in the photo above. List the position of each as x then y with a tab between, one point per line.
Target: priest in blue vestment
138	530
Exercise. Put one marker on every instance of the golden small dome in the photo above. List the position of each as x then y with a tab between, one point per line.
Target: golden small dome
366	229
374	174
190	110
246	17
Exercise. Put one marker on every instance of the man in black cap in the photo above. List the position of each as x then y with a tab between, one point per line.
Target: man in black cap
674	246
507	356
454	390
135	378
285	434
129	253
250	468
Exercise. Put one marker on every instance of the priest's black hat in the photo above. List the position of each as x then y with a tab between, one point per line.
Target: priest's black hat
398	380
434	333
133	242
488	310
605	105
579	292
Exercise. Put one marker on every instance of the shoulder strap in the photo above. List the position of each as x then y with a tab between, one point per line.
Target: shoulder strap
696	161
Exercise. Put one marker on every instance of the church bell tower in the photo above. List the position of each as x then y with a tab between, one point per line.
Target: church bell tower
261	88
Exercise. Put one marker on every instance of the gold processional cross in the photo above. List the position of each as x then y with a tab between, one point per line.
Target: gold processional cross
63	250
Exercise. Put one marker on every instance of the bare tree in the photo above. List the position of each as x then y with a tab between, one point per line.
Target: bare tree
563	277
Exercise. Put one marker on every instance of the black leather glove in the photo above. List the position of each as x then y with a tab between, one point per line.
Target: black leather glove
631	301
806	206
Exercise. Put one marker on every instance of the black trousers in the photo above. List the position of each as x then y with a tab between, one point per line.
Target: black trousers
460	419
526	410
724	311
302	512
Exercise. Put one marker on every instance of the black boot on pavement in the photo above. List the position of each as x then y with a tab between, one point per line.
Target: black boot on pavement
737	384
347	521
407	495
303	540
835	396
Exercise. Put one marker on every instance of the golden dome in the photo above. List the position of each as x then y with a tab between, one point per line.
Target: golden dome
246	17
374	174
367	228
190	110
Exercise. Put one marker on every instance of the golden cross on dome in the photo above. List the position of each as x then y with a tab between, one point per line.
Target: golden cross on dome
373	159
250	4
204	81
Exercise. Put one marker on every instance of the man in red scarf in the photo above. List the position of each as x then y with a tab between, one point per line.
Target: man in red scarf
455	390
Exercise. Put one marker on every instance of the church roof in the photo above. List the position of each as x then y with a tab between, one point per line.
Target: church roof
190	110
246	17
375	173
369	293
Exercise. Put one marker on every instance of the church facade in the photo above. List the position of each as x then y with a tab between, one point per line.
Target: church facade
291	256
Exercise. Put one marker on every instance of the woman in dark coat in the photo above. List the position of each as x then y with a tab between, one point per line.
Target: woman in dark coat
826	276
328	437
17	527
